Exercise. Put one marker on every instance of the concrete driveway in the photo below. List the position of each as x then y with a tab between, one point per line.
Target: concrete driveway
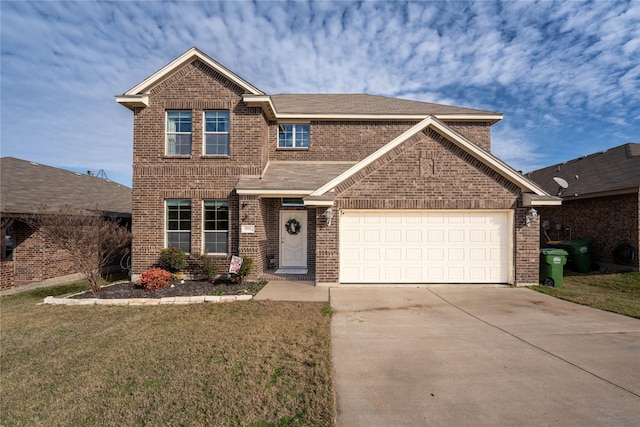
450	356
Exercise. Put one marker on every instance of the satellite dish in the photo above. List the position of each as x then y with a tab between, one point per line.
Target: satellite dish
561	182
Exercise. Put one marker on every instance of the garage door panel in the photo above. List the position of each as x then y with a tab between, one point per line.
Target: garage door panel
424	247
393	236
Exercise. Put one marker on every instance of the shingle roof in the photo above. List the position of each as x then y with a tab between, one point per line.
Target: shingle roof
614	169
27	186
363	104
300	177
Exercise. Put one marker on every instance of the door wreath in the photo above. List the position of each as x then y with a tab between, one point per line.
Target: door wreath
293	226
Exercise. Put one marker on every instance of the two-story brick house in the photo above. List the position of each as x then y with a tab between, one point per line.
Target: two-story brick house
359	189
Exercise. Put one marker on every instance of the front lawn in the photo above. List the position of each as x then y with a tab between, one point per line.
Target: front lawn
619	293
254	363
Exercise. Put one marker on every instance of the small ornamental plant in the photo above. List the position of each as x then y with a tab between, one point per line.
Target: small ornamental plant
173	259
155	279
208	268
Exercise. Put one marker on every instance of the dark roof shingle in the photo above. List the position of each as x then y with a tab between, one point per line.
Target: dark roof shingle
363	104
304	177
614	169
28	186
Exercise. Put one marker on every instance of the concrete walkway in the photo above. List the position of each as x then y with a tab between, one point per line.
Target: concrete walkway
281	290
482	357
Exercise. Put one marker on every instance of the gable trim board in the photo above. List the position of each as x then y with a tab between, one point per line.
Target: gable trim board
138	96
430	122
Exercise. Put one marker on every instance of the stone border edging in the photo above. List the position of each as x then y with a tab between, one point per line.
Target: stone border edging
147	301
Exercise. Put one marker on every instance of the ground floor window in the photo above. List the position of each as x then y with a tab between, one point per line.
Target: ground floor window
178	224
216	226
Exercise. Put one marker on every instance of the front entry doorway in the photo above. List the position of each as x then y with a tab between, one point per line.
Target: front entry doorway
293	239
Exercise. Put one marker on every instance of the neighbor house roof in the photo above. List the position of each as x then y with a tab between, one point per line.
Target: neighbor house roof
616	170
29	186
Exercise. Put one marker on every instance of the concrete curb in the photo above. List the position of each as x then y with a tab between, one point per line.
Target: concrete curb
148	301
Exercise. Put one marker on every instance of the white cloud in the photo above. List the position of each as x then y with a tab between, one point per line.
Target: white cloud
559	65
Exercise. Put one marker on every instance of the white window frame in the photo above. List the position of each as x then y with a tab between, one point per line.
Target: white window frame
166	222
205	133
205	231
168	133
295	145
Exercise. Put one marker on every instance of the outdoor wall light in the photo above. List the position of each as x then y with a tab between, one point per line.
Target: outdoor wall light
531	215
328	214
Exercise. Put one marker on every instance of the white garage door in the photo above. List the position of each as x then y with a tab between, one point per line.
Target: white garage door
425	246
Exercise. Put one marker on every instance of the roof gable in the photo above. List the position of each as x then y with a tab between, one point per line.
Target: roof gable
27	186
138	96
613	170
431	122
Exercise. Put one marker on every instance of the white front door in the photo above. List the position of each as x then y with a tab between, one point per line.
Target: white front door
293	239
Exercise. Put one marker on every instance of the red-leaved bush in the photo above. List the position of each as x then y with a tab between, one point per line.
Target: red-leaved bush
154	279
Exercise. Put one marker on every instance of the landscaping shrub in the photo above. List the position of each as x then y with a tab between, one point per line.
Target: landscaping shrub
154	279
208	268
173	259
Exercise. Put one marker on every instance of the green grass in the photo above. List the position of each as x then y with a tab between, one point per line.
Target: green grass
259	363
619	293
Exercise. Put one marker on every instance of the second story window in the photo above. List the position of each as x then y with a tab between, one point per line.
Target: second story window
178	133
216	133
293	136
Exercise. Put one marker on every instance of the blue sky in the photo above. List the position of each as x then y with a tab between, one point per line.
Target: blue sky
566	75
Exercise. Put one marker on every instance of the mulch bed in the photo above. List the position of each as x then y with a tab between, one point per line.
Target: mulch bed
178	289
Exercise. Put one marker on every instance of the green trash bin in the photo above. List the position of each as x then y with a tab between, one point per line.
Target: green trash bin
552	262
579	254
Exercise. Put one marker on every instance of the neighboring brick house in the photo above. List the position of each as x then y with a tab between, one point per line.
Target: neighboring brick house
601	201
27	187
357	189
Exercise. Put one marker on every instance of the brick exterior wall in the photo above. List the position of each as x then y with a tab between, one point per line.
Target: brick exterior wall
606	220
35	259
429	172
425	173
157	177
478	132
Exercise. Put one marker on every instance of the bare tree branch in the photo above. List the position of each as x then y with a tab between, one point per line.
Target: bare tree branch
92	240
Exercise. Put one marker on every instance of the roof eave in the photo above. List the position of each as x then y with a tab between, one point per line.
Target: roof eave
133	101
265	102
491	118
535	200
272	193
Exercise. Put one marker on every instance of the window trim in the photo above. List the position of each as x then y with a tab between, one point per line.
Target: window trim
294	147
205	231
205	133
167	133
166	223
